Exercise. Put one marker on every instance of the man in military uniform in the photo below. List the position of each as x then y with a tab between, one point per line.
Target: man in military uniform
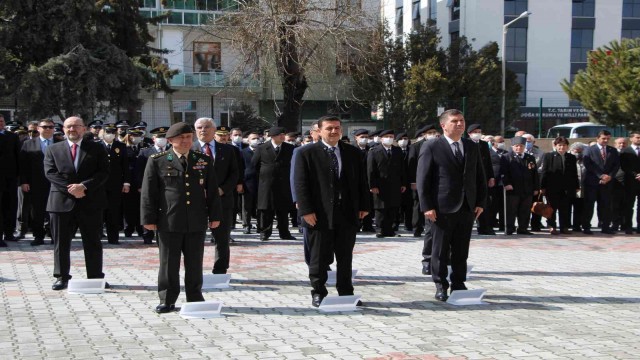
180	200
159	145
118	182
131	200
520	178
94	130
123	127
225	165
362	143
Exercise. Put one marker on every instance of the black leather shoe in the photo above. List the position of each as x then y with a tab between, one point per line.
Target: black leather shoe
246	231
316	300
60	284
486	232
524	232
37	242
628	232
264	237
426	270
148	241
20	236
417	233
359	303
10	237
107	285
368	229
587	232
164	308
535	228
379	235
510	232
609	232
2	243
116	242
441	293
287	237
459	286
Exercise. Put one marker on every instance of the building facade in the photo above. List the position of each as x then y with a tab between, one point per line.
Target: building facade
542	50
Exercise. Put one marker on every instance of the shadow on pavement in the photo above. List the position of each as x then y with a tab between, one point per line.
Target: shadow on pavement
356	282
557	273
305	311
566	299
442	306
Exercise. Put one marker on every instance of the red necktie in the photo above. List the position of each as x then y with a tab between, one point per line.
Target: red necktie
207	149
74	151
604	155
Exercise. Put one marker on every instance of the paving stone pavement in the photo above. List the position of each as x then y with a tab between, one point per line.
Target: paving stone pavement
569	297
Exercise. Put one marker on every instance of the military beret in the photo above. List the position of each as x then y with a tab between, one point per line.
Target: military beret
276	130
386	132
96	124
135	132
222	130
159	131
518	140
361	132
401	135
140	125
375	133
179	129
473	127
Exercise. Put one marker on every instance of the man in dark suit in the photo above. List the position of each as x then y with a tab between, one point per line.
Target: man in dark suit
9	170
225	167
630	164
272	161
405	211
475	134
387	181
180	200
560	184
602	163
362	143
417	221
78	171
330	186
250	183
118	183
496	193
235	140
32	179
520	179
452	188
159	145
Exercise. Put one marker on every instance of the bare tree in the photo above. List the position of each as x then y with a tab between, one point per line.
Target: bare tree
301	44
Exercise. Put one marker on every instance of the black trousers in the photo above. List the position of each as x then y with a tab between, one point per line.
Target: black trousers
367	221
63	226
24	211
561	205
323	244
577	207
405	215
451	236
618	205
518	206
172	245
418	215
39	215
222	234
131	212
113	215
427	246
9	203
602	195
496	207
384	220
485	221
248	209
629	201
265	221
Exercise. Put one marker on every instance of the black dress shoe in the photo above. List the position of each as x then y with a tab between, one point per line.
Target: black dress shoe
287	237
587	232
535	228
164	308
60	284
10	237
359	303
37	242
441	293
426	270
417	233
264	237
379	235
114	242
316	300
107	285
609	232
510	232
524	232
148	241
20	236
486	232
2	243
458	286
628	232
368	229
246	231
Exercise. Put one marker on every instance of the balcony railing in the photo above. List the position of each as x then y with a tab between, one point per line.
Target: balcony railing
210	80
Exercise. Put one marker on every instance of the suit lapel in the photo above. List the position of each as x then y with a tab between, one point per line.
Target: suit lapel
446	149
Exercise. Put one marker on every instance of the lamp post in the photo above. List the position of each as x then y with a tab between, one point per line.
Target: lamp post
505	28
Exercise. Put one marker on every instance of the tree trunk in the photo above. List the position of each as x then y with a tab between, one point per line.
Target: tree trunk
294	81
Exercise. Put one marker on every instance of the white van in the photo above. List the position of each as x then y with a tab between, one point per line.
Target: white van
578	130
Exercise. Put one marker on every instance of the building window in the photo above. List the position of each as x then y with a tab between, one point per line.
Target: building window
581	44
433	10
455	9
206	56
147	3
517	44
522	97
455	36
515	7
415	14
630	34
631	9
584	8
399	15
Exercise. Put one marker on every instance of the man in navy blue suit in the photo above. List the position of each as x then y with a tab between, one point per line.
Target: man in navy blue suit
452	188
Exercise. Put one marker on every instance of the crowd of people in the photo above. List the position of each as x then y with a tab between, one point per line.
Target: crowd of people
182	181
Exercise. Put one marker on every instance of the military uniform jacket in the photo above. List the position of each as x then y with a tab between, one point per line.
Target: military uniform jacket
177	200
118	166
225	166
522	174
412	160
274	190
387	174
